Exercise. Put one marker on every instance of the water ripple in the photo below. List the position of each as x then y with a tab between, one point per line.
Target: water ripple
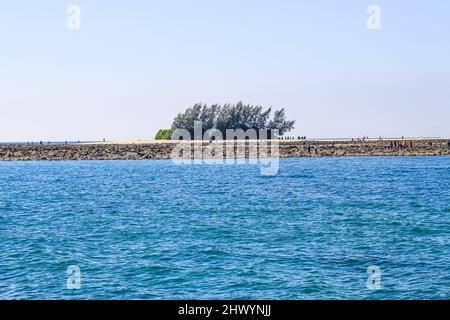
152	230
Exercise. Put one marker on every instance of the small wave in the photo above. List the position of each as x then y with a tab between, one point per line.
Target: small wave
301	176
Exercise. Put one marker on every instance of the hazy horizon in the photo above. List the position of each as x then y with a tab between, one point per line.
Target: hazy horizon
134	65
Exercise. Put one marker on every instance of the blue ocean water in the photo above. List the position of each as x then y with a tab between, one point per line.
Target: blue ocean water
154	230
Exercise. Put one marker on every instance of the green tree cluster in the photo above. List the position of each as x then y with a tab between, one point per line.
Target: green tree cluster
233	116
164	134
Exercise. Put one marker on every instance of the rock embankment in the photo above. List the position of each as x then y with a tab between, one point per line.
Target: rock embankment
163	150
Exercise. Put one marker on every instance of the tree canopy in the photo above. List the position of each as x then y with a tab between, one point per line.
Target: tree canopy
164	134
233	116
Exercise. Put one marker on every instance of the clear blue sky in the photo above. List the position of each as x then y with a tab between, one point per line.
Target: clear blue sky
135	64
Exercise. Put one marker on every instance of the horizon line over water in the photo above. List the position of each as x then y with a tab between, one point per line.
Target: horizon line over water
49	142
46	142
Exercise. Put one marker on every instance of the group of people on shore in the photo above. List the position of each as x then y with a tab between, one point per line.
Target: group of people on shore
401	145
363	139
293	138
65	142
49	142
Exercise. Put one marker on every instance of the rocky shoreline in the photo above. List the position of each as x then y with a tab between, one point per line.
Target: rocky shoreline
162	150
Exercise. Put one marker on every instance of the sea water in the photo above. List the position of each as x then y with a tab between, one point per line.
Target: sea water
155	230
